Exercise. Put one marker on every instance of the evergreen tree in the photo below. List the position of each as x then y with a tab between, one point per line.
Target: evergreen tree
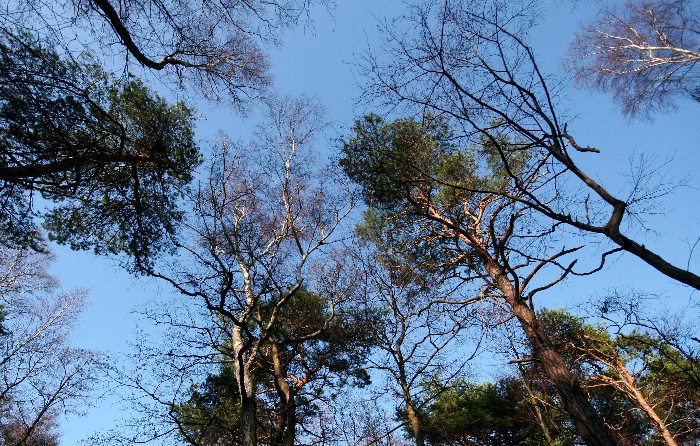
112	155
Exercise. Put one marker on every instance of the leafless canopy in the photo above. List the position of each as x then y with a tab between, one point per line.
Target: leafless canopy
257	238
40	375
214	47
645	53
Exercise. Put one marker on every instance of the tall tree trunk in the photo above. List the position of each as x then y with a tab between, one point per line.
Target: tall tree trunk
249	421
287	420
589	425
415	421
290	433
246	387
411	411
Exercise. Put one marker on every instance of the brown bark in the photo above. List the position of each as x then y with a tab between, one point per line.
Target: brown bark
287	420
589	425
655	260
641	401
290	433
414	420
411	410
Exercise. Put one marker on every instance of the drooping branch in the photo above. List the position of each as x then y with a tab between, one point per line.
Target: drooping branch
117	24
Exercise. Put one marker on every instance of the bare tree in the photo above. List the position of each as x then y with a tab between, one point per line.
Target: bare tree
215	47
371	426
247	252
40	375
417	328
644	52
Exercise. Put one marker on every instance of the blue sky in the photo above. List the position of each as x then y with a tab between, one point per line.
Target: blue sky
318	62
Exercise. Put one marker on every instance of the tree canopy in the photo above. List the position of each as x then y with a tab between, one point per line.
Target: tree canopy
111	154
430	277
643	52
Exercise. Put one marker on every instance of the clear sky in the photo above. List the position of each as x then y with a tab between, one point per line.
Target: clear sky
318	62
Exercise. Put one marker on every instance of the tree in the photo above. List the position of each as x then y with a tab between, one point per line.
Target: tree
416	325
211	415
525	409
43	434
633	369
307	358
214	47
40	376
84	141
468	414
644	53
113	155
248	247
313	355
467	228
469	62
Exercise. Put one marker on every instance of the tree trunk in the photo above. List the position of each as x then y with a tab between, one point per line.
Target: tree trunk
249	421
588	424
415	421
246	387
290	433
412	413
287	420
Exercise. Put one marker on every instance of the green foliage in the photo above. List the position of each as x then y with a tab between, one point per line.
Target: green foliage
569	335
406	170
336	346
211	415
663	357
394	161
465	413
111	154
398	161
664	372
525	410
670	375
325	354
